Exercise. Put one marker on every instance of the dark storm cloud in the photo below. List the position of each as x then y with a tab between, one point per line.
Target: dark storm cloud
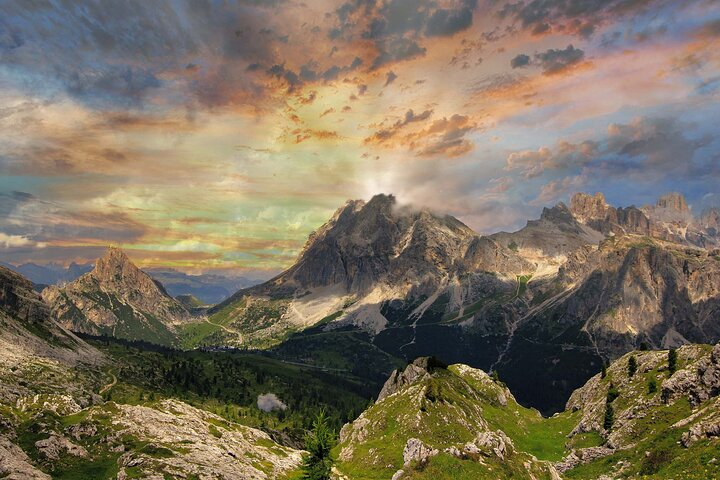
445	22
580	17
551	61
646	146
397	27
520	60
396	50
556	60
308	73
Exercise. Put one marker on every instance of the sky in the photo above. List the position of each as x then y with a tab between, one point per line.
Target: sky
211	135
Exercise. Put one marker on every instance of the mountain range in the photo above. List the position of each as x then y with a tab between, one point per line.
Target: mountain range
560	297
545	306
476	337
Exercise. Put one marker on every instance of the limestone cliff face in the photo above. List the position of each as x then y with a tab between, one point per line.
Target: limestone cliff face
669	219
594	211
117	298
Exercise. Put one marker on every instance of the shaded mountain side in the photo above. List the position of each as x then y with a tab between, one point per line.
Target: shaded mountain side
639	291
118	299
29	331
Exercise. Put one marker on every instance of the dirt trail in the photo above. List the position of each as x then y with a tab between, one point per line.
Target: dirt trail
109	385
228	330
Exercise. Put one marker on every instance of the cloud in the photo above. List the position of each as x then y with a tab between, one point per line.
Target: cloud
552	191
580	18
267	402
646	147
555	60
520	60
397	50
444	22
387	133
15	241
390	77
445	137
551	61
397	28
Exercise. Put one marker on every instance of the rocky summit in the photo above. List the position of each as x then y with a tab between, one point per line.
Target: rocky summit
117	299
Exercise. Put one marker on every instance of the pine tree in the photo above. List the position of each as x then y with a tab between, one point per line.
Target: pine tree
317	463
672	360
632	366
609	417
603	371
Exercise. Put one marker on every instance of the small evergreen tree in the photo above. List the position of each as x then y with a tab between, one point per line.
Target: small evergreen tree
609	417
652	386
612	393
672	360
603	371
317	463
632	366
644	346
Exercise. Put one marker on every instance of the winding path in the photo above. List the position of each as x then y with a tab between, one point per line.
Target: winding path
109	385
228	330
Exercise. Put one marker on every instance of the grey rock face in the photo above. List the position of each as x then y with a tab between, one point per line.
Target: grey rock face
697	385
416	451
378	241
421	368
54	445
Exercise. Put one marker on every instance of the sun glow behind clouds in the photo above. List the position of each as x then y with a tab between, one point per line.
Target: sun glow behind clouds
221	136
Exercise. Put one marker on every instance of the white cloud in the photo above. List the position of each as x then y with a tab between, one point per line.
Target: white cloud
14	241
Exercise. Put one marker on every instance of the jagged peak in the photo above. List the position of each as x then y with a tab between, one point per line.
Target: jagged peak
558	212
673	201
114	259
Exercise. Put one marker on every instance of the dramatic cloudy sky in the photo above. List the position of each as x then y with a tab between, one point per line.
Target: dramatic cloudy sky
208	134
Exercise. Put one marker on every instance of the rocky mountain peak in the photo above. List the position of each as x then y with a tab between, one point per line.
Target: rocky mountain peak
586	207
673	201
367	243
116	296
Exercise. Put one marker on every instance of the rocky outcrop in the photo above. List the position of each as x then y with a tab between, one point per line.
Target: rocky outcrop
56	445
594	211
582	456
419	369
15	464
698	384
417	452
699	431
117	299
486	255
231	452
